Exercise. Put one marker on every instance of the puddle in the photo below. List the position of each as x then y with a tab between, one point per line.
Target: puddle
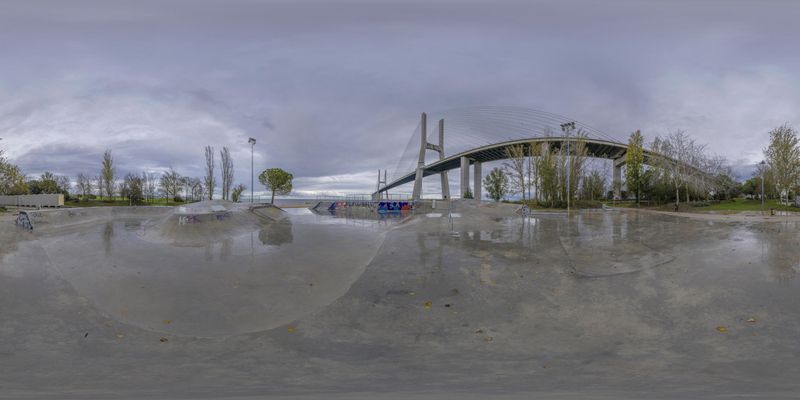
245	283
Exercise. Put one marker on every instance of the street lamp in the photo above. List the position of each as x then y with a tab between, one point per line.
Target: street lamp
763	167
252	143
567	127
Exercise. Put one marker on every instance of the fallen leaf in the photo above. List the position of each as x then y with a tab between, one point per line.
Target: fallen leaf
411	293
428	305
479	331
487	338
722	329
751	320
167	321
120	336
163	339
290	329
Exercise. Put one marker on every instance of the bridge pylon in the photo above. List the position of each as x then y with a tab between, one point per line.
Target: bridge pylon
378	194
424	146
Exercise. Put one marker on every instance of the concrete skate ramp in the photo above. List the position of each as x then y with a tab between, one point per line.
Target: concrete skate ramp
486	304
53	219
205	270
209	222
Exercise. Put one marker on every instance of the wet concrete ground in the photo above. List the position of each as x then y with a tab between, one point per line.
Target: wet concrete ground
600	304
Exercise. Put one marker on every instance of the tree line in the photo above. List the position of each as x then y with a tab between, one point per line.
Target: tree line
677	168
144	187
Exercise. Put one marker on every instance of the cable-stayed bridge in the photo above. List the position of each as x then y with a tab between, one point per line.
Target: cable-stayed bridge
478	135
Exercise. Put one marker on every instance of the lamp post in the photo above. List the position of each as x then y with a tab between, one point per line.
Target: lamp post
252	143
763	167
567	127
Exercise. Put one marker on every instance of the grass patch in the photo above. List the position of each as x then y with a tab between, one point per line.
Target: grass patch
729	206
560	205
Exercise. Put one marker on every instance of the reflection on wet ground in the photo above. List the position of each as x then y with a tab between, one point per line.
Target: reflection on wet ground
620	303
243	283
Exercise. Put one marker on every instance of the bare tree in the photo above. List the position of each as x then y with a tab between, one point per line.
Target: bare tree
227	172
84	185
515	167
64	184
98	183
107	173
149	183
209	179
196	185
170	183
134	187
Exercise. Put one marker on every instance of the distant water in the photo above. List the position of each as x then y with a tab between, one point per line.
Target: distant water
295	202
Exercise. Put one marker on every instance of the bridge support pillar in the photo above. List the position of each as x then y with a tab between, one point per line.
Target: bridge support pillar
423	133
464	175
477	180
443	175
616	181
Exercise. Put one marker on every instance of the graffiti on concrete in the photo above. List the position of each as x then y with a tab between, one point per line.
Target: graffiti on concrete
24	221
223	215
188	219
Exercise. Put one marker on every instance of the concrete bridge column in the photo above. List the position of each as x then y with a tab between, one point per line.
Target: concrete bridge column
616	182
477	183
445	181
464	175
421	162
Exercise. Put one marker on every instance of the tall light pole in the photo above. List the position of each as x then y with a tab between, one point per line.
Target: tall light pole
763	165
567	127
252	181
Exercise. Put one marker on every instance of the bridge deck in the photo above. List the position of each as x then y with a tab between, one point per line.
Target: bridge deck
498	151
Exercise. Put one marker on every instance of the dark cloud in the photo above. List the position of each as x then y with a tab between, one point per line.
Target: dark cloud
332	90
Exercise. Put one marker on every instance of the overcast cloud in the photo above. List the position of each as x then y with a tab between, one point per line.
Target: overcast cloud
332	90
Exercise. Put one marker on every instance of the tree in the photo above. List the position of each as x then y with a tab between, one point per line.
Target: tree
170	184
634	161
496	184
12	180
668	150
98	183
276	180
237	192
516	168
548	176
467	194
107	173
783	158
46	184
149	185
84	186
196	186
134	188
209	179
751	186
594	185
577	161
64	185
227	172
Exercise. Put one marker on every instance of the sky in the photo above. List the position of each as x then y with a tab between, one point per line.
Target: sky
332	91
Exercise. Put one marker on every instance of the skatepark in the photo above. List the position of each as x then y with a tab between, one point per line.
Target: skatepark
468	300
